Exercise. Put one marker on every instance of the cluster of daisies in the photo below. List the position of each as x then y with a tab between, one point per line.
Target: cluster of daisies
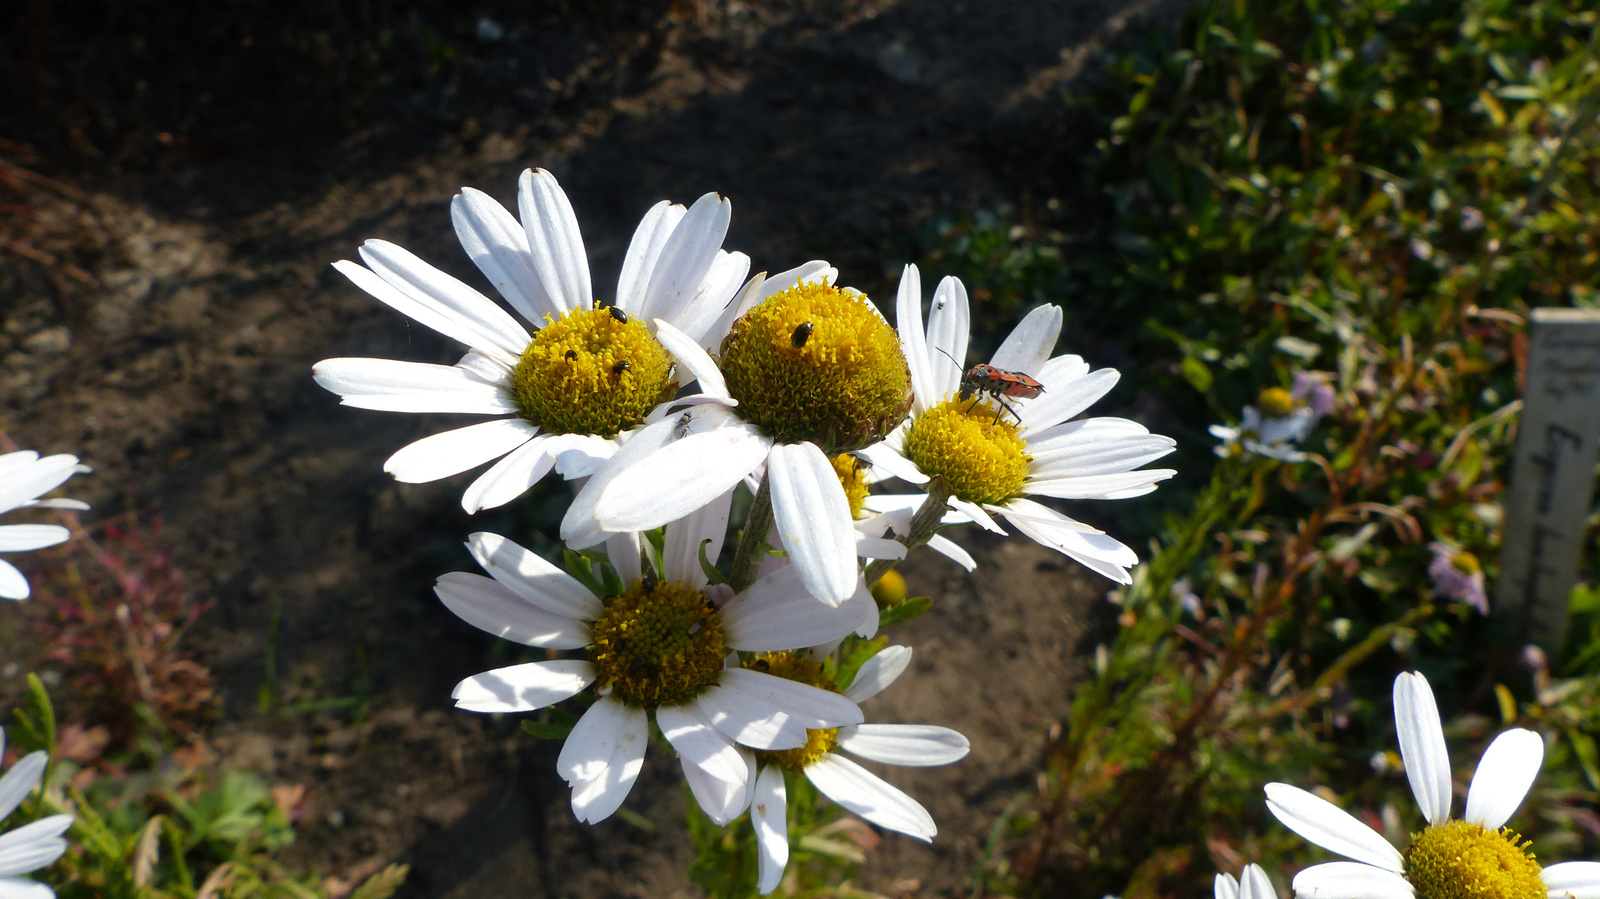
694	389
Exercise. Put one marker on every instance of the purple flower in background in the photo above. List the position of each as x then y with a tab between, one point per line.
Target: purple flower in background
1457	576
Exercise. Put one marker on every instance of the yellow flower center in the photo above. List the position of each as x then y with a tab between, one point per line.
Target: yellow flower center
658	644
816	363
974	454
1459	860
592	373
1466	563
890	589
1275	402
797	666
852	474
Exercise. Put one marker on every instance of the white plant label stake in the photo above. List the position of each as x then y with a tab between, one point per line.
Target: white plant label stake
1552	477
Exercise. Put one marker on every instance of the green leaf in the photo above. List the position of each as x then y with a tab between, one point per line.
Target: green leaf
708	567
1196	373
902	612
383	884
1584	748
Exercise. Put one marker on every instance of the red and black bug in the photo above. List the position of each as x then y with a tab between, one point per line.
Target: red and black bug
987	380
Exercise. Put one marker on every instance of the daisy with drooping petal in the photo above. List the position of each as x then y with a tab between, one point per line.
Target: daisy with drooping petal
822	760
660	647
24	477
567	394
1252	884
32	846
1475	857
808	371
987	454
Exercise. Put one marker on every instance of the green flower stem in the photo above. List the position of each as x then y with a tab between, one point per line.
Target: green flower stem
923	526
752	542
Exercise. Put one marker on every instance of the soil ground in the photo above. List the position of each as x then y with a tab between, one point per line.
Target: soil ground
839	130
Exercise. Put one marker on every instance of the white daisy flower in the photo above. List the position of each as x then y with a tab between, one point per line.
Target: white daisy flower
32	846
24	477
567	394
1472	858
823	761
988	453
807	371
1284	419
662	646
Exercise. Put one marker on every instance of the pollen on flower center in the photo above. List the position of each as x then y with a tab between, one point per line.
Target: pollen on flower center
971	451
658	644
1461	860
852	474
1466	563
817	363
592	373
797	666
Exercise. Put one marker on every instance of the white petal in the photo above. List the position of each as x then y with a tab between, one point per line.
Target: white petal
1427	759
977	513
1098	552
693	359
679	478
596	799
21	780
442	297
878	672
493	607
742	302
554	241
512	476
622	551
683	538
697	741
388	385
907	745
643	251
23	537
720	800
1573	880
747	718
1504	775
948	325
1124	485
769	813
894	464
77	505
12	584
685	260
16	460
1225	887
812	517
1028	345
811	706
948	548
523	688
1060	402
578	528
908	322
864	793
1350	880
36	478
814	272
23	888
606	731
533	577
1331	827
498	245
778	613
1253	884
878	548
452	452
713	297
1094	451
32	846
